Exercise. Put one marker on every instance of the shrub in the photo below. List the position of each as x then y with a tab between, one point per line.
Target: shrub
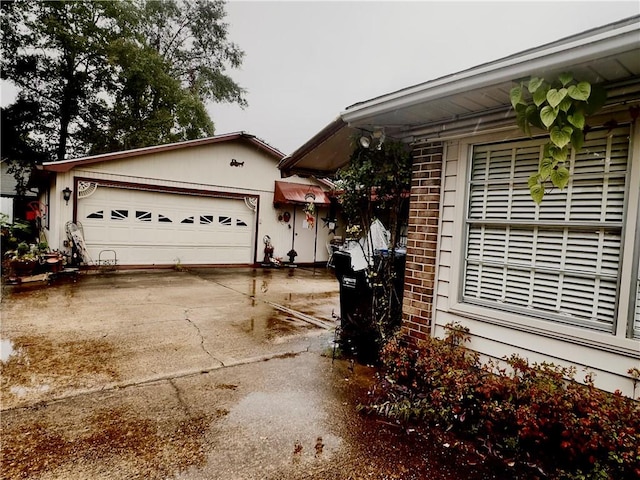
534	416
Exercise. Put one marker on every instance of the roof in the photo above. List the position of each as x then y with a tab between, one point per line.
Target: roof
66	165
608	55
326	147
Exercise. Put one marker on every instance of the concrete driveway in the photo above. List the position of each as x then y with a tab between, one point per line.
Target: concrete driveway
203	374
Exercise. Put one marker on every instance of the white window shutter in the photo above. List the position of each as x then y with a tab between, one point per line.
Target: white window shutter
559	260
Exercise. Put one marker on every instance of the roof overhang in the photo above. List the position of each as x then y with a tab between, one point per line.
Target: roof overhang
66	165
479	97
299	194
325	152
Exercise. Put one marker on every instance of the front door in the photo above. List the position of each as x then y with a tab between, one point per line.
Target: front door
304	235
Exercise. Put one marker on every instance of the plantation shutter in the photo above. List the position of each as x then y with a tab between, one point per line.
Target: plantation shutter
559	260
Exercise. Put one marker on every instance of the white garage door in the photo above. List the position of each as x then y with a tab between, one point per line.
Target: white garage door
157	228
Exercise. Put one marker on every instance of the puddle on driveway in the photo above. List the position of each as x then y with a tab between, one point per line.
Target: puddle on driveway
274	327
281	428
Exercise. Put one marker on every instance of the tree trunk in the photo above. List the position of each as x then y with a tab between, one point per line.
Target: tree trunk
67	107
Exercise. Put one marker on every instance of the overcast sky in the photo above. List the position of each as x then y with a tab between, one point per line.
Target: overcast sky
305	61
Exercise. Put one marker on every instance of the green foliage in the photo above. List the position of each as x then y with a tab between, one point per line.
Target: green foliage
375	185
106	76
561	108
373	182
531	416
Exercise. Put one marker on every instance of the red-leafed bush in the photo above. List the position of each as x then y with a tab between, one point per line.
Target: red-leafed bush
530	416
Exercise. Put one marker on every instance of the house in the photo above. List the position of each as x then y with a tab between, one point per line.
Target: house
211	201
558	282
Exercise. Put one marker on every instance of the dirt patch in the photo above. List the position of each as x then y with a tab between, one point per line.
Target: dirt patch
226	386
149	448
40	364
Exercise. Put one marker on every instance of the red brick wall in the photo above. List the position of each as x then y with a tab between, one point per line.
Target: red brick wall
422	241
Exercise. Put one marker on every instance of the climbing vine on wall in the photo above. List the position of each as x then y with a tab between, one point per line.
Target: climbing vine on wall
560	107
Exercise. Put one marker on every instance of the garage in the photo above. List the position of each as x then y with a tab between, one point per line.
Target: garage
208	201
149	227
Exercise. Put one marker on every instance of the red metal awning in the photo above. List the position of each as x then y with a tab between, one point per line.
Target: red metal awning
298	193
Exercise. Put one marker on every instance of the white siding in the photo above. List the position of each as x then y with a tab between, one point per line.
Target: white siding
497	333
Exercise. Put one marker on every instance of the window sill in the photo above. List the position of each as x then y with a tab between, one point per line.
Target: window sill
548	329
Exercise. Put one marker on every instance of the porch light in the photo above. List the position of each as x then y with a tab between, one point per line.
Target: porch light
66	194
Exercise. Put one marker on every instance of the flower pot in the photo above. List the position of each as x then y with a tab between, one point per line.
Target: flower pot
23	267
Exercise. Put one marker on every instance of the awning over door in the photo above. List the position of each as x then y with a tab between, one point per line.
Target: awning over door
297	193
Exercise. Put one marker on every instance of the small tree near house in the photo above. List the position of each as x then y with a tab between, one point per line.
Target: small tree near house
374	186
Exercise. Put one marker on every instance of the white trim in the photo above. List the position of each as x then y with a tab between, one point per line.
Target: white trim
542	328
627	256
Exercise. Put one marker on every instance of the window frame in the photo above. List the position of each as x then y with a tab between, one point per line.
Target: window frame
448	301
489	196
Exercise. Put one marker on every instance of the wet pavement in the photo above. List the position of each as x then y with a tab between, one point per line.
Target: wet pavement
207	374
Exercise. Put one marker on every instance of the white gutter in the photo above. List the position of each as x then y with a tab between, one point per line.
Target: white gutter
584	49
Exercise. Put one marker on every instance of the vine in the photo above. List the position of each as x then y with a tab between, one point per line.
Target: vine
561	108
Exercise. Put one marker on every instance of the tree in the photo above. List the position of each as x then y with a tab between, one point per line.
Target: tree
178	65
106	76
56	53
374	185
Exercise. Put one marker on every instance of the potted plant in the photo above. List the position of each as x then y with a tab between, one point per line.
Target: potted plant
23	260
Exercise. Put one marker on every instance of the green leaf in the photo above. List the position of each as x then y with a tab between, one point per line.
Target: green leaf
560	177
581	91
534	84
533	180
548	115
521	118
540	95
545	168
516	95
561	137
565	78
537	192
577	120
554	97
559	154
577	140
565	104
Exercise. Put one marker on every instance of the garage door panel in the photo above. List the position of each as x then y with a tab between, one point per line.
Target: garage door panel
146	227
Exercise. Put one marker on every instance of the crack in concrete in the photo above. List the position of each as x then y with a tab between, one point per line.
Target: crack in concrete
202	346
181	401
154	380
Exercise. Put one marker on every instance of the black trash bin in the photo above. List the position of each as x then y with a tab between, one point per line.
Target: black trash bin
356	336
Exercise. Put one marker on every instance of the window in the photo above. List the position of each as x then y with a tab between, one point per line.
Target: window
224	220
206	219
119	214
560	260
143	216
240	223
187	220
97	215
164	219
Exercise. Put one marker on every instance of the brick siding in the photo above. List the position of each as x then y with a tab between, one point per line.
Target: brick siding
422	241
